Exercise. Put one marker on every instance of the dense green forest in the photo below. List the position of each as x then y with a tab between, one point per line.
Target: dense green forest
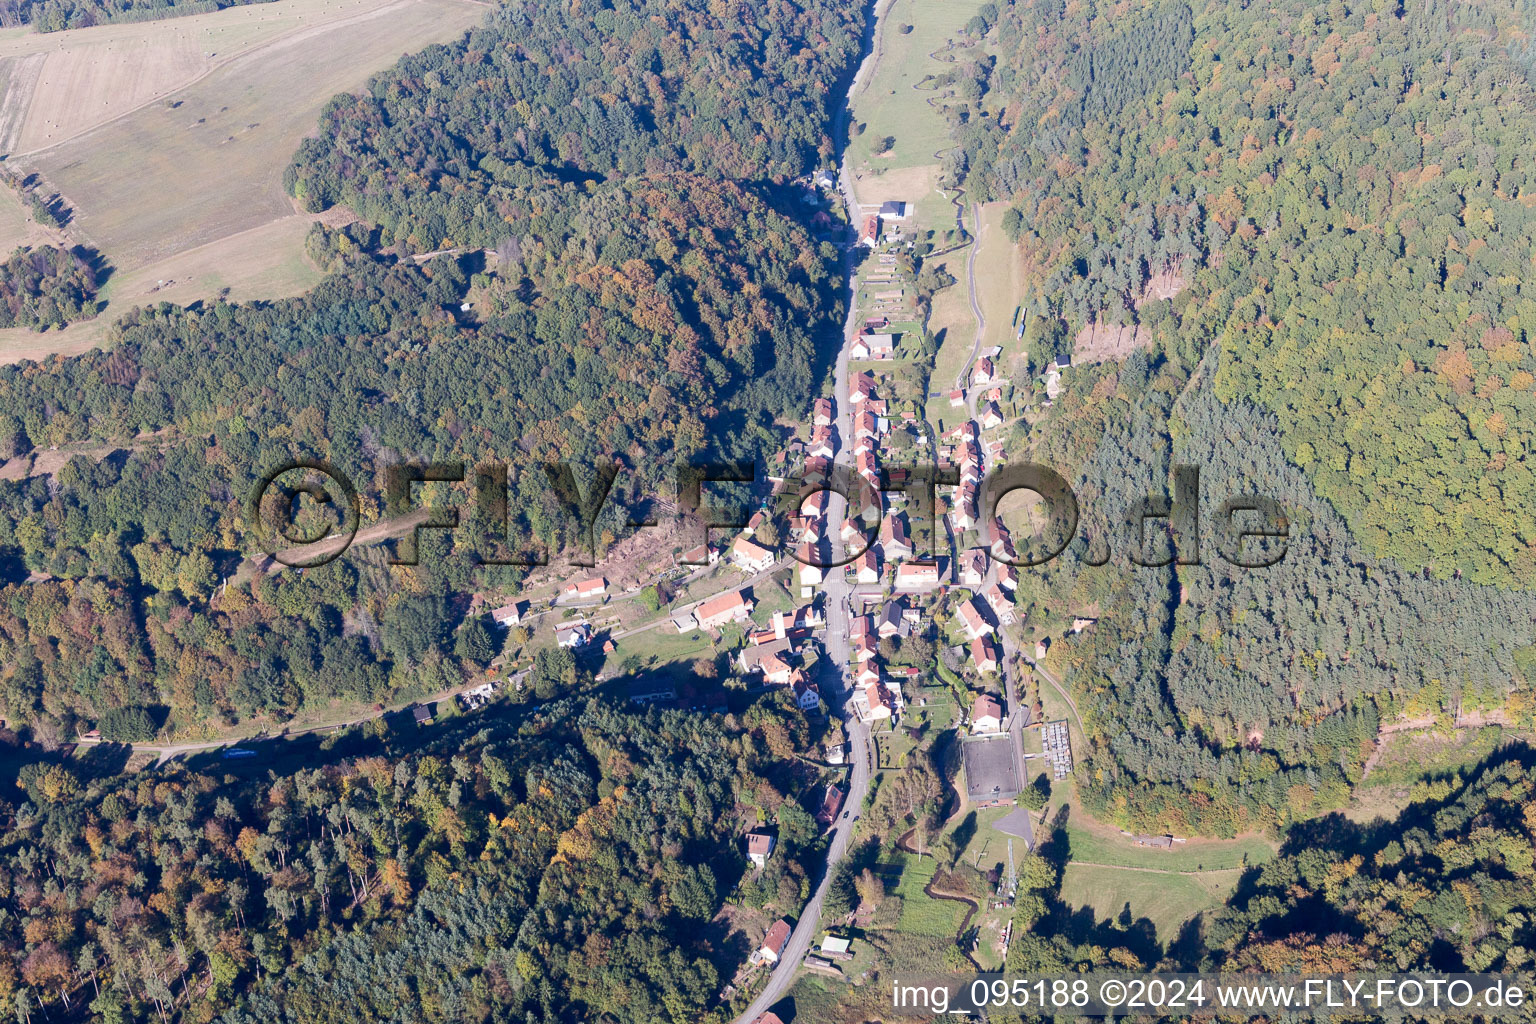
47	286
635	303
1341	195
558	867
1218	698
56	15
445	147
1317	222
1446	887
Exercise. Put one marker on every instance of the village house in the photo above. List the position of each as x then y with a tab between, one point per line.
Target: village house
717	611
984	655
867	465
872	345
869	700
1000	603
585	590
1002	542
1041	646
652	690
893	621
912	577
866	568
574	636
773	942
864	648
896	209
865	425
964	514
750	557
821	412
991	416
831	803
894	543
982	373
974	623
811	574
509	615
776	671
987	712
973	567
759	848
701	555
870	236
823	444
807	695
1007	576
957	399
767	656
868	675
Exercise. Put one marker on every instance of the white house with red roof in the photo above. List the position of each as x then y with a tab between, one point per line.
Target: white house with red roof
723	608
987	713
774	942
975	624
585	590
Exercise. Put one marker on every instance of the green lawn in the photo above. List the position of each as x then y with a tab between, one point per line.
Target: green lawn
1196	855
905	876
664	643
895	103
1166	900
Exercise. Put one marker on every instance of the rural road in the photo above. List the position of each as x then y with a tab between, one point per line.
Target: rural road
834	682
981	320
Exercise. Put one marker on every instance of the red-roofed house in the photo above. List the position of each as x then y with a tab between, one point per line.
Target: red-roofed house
973	567
866	569
984	655
831	803
584	590
982	372
759	848
806	693
509	615
749	556
773	942
987	714
894	543
870	236
717	611
975	623
1001	605
810	573
916	576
